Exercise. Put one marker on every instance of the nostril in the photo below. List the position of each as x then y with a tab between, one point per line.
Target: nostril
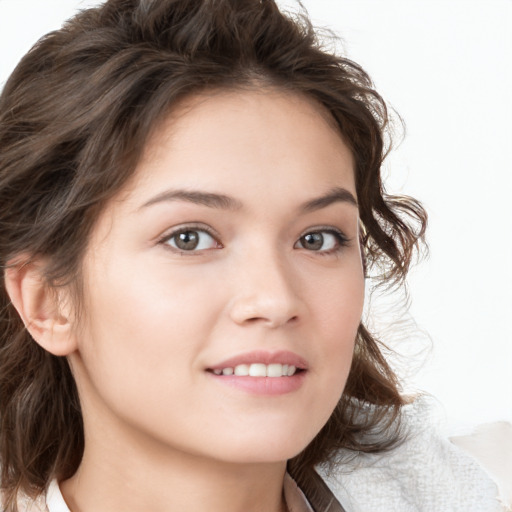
272	320
293	320
269	309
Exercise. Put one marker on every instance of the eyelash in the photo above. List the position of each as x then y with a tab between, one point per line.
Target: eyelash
341	240
186	229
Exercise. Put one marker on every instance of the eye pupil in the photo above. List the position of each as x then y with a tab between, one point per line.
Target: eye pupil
313	241
187	241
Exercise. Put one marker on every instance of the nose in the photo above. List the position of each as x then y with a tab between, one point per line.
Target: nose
266	292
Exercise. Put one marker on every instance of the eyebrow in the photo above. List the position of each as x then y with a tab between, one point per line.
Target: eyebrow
335	195
221	201
210	199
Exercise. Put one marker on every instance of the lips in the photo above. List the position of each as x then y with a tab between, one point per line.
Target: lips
262	373
261	364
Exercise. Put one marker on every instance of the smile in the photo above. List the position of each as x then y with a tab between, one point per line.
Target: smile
258	370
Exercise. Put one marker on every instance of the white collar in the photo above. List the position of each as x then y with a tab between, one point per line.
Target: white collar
54	500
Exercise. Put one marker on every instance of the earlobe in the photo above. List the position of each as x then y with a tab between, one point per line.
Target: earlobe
40	307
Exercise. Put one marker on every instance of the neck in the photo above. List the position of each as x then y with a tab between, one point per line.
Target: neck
141	477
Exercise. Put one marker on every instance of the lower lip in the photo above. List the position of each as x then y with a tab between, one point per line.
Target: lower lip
263	385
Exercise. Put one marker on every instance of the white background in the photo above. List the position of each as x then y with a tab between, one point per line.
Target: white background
445	66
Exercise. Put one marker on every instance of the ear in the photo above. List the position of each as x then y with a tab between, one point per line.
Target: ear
44	310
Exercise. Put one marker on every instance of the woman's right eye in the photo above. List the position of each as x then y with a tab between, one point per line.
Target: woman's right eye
188	240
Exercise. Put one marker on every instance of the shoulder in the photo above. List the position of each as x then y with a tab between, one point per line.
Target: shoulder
426	472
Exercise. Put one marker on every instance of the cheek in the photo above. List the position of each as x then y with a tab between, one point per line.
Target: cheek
139	348
144	326
338	302
338	309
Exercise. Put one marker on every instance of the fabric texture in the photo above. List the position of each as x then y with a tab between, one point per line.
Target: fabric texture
426	473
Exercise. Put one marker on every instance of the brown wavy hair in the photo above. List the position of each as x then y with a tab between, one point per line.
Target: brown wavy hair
74	119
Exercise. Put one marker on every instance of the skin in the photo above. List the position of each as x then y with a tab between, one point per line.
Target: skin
161	433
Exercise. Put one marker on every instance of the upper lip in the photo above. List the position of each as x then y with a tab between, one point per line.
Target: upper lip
263	357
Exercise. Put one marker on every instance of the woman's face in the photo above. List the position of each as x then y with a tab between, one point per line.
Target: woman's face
234	249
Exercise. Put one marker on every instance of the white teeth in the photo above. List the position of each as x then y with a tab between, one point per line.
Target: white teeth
258	370
242	370
274	370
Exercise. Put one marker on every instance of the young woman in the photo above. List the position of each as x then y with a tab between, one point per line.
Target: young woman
190	200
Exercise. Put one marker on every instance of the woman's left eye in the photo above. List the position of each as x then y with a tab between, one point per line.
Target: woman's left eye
321	241
188	240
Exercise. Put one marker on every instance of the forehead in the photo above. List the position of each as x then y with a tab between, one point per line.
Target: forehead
243	141
249	105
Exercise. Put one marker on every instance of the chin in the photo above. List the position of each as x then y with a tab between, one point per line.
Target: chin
270	448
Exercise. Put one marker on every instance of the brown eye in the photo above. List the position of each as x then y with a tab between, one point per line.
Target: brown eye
312	241
192	240
322	241
187	241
